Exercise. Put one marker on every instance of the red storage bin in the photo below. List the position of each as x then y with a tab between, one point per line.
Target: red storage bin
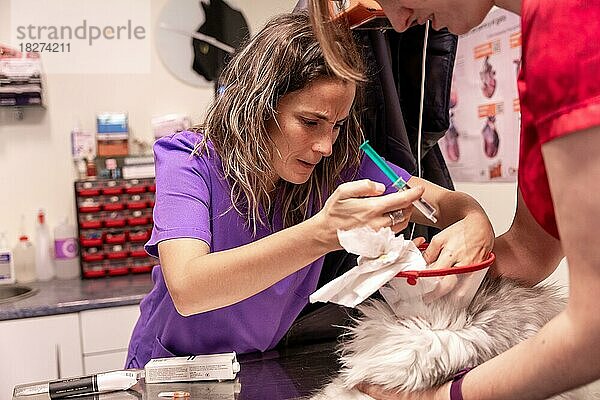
89	192
114	219
89	204
88	188
135	186
112	188
142	265
91	242
116	251
137	201
141	234
115	237
112	203
136	250
91	237
112	191
117	267
139	217
90	220
93	269
92	254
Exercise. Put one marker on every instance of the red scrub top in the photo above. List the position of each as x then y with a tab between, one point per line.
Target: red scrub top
559	88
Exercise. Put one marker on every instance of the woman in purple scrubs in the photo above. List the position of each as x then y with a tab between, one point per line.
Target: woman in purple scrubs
248	205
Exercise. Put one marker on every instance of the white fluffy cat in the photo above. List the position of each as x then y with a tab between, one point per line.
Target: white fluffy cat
412	351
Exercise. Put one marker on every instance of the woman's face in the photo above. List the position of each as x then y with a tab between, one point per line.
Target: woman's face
306	126
459	16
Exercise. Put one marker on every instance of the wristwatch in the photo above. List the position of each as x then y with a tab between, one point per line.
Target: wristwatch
456	387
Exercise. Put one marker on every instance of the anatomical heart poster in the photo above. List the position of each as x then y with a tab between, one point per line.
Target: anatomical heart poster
482	143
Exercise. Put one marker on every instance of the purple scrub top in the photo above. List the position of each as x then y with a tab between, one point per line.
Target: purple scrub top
193	201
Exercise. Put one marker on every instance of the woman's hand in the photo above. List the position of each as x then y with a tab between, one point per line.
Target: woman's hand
465	242
360	203
379	393
467	234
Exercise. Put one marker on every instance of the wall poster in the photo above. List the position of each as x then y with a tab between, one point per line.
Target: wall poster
482	143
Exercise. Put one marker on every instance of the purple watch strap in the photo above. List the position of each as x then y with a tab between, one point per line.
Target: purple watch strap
456	387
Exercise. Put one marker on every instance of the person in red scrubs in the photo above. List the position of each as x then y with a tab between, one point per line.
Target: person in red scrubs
558	206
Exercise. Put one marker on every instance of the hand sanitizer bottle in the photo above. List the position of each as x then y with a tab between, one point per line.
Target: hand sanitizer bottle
7	266
24	260
65	251
43	249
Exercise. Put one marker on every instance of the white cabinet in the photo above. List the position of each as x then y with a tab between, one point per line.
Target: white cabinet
105	337
35	349
95	363
59	346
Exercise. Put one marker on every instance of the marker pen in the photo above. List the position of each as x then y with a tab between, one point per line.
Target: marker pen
105	382
98	383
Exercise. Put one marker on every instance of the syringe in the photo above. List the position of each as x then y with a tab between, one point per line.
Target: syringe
421	204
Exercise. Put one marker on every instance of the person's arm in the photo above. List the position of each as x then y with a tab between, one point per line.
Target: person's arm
565	353
467	234
200	281
526	252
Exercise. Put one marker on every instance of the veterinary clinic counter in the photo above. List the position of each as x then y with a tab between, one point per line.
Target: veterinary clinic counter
74	295
290	373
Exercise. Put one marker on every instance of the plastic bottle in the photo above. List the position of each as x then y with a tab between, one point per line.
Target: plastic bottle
7	266
44	266
91	168
81	169
24	253
66	249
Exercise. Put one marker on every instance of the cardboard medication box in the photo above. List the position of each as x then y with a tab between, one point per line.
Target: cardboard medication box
112	134
223	366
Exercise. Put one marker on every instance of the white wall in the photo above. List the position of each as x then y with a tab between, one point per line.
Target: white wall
36	169
497	199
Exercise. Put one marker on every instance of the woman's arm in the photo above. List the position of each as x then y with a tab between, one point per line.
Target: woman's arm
565	353
467	234
200	281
